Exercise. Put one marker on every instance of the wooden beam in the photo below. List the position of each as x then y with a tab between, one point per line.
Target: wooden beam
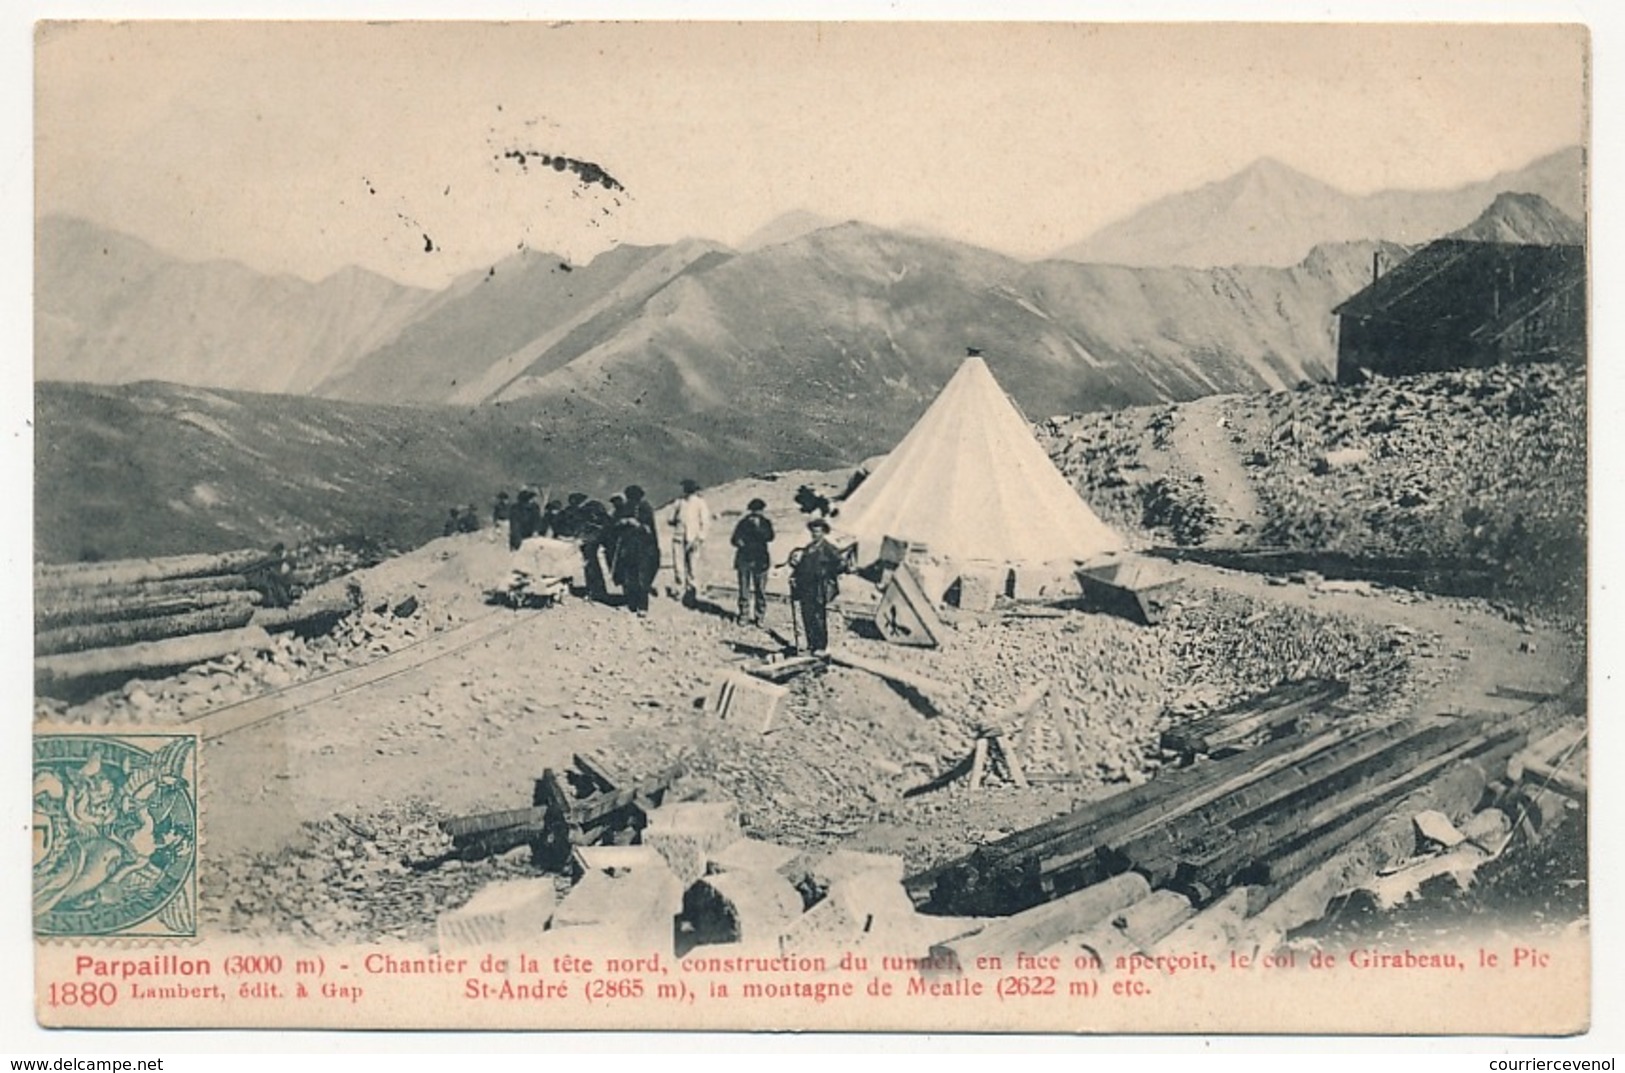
148	656
1035	929
882	669
130	571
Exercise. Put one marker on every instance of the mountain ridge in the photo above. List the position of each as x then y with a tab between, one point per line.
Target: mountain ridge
1269	213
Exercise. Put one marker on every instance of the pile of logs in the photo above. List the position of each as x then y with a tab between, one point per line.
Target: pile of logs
586	806
127	617
1260	817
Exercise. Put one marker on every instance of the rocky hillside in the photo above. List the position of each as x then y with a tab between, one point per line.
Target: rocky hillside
154	469
112	309
1271	214
1479	471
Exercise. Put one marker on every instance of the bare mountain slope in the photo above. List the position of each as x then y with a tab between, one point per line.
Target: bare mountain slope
856	322
110	308
531	313
1270	214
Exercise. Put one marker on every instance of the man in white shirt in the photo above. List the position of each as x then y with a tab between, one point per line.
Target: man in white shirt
690	520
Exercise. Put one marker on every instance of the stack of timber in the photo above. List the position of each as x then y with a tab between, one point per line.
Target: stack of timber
1258	817
585	806
1254	720
127	617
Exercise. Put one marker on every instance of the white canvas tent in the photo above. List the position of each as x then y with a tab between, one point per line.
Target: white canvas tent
971	483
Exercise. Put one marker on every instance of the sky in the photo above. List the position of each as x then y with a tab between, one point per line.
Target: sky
301	148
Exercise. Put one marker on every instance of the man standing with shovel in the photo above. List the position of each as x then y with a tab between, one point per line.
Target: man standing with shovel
815	577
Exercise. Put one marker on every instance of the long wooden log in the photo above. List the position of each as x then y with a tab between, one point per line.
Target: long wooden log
189	586
135	631
1006	872
129	571
86	611
1281	706
1047	924
1291	903
1137	929
1214	863
149	656
1101	842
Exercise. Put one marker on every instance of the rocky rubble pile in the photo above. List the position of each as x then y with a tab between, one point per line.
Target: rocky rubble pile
1482	465
354	877
1482	468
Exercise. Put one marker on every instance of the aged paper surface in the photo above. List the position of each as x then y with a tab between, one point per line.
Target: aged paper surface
1302	319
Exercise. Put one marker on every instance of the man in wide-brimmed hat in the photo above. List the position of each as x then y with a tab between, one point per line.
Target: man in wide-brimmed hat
815	578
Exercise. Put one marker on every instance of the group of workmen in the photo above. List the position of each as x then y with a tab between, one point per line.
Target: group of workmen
620	544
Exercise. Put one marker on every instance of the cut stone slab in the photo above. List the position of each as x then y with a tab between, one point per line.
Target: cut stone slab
979	590
752	908
868	907
687	833
751	855
847	863
639	907
741	698
1046	583
500	914
615	859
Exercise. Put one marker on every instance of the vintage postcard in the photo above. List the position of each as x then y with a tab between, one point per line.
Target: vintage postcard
839	526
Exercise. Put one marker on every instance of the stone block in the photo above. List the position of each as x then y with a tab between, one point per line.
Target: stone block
751	855
500	914
685	834
638	908
752	908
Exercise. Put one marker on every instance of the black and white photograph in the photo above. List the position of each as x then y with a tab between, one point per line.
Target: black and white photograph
849	526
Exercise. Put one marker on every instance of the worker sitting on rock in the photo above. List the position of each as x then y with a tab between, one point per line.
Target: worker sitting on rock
815	579
690	521
453	520
751	538
470	520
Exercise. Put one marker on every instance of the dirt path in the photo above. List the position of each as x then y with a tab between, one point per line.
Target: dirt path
1201	444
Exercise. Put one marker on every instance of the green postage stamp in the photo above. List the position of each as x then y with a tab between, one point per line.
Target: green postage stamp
115	835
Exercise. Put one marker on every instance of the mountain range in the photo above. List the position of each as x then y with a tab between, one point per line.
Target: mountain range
358	403
1271	214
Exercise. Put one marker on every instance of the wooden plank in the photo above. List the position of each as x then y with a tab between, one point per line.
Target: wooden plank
1012	763
1040	927
1546	776
462	827
882	669
978	763
589	765
1283	705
